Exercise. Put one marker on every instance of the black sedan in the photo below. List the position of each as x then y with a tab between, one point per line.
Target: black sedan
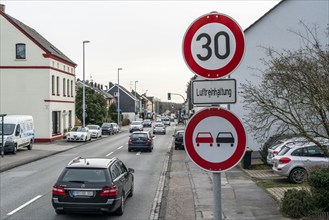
179	140
93	185
140	140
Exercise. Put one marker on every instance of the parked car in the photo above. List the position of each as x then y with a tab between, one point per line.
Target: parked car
147	123
18	132
93	185
141	140
275	149
107	128
179	140
95	130
296	160
136	126
116	128
79	133
159	128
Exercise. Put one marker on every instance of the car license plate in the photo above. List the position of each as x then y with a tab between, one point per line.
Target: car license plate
83	193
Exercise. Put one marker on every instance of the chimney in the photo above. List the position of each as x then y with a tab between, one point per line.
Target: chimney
2	8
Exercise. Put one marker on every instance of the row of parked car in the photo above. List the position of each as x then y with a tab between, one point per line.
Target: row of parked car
296	157
79	133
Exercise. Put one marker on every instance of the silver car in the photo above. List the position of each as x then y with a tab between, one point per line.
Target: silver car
295	161
159	128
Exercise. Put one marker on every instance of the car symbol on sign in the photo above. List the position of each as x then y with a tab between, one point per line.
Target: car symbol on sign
225	137
204	138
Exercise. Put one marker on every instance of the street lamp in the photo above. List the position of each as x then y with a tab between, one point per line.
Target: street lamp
83	87
118	110
135	101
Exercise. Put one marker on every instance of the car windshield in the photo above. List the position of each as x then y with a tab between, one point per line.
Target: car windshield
92	127
8	129
79	129
84	175
136	123
180	134
225	135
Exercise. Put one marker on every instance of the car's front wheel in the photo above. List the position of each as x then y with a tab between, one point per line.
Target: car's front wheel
297	175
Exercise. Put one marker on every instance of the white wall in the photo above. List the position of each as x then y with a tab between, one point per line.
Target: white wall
273	31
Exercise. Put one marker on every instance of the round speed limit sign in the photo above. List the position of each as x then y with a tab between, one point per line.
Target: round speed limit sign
213	45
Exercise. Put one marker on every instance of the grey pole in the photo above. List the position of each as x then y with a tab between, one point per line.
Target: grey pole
2	134
217	196
83	87
119	98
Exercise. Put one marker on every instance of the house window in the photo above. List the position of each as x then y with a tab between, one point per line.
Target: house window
20	51
53	85
64	93
57	85
72	88
68	88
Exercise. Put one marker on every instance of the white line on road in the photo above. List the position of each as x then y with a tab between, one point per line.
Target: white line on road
109	154
24	205
120	147
139	153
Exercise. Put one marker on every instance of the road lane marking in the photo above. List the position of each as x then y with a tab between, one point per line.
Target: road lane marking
120	147
109	154
138	153
24	205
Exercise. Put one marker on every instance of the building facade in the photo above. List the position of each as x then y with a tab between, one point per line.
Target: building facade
36	79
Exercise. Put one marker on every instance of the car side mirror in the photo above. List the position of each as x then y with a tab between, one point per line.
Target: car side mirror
131	170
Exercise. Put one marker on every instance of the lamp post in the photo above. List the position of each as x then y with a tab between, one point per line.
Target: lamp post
118	110
83	87
135	101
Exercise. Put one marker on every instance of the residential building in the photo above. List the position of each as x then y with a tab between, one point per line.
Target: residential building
36	79
275	30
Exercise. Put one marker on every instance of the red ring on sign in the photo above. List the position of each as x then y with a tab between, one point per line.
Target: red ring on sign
241	140
237	57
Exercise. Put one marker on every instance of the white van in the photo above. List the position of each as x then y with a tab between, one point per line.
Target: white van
18	132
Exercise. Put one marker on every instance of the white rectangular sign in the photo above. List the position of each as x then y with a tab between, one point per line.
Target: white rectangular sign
221	91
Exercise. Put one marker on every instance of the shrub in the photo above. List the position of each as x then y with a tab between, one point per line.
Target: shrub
125	122
319	183
297	203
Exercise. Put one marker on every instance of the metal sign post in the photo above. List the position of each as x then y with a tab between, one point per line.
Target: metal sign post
214	138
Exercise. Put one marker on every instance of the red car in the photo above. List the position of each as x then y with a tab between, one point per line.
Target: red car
204	138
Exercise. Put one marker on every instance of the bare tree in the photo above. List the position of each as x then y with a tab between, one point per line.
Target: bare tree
293	95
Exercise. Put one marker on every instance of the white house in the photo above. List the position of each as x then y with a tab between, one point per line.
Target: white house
274	30
36	79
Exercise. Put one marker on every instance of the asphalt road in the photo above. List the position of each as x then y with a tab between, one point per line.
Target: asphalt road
26	190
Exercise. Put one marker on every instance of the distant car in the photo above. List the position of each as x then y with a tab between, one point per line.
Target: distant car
141	140
93	185
158	120
136	126
95	131
297	160
204	138
79	133
116	128
166	121
225	137
159	128
147	123
107	128
179	139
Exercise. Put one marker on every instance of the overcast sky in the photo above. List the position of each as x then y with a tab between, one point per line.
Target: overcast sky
144	38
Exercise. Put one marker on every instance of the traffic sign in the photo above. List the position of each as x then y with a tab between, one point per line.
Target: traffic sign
213	45
215	139
220	91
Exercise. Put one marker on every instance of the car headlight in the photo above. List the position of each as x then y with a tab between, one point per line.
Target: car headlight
10	138
82	135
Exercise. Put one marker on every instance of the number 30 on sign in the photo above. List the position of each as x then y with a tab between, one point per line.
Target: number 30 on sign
213	46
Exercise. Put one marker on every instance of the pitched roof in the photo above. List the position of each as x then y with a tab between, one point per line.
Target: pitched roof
43	43
123	89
